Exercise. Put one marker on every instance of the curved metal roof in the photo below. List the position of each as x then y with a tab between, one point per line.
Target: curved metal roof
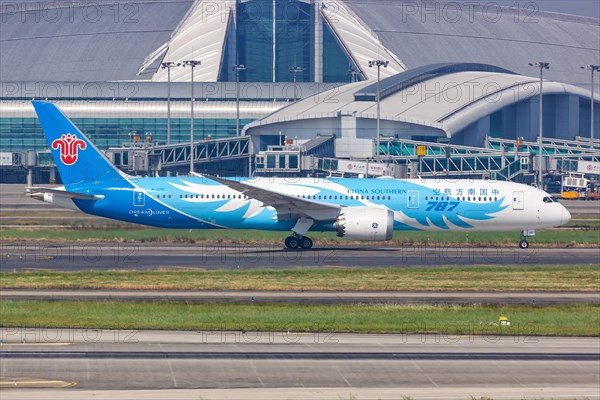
449	101
104	40
109	40
431	31
401	81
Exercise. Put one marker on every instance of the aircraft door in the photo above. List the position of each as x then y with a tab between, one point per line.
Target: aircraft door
518	201
413	199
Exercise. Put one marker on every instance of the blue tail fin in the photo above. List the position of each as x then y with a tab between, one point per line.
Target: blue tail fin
79	162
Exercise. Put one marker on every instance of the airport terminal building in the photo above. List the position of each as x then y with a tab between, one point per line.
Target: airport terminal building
456	78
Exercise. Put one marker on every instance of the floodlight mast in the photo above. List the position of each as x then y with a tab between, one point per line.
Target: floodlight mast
542	65
378	64
237	68
168	65
295	70
192	64
593	69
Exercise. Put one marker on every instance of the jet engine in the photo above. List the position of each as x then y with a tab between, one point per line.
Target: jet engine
365	223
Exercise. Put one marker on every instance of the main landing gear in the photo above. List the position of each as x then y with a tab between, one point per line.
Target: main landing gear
298	242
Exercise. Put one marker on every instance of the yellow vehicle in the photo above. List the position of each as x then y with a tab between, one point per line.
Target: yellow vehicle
572	195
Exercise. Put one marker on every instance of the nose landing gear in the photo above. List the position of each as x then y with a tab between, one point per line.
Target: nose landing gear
523	244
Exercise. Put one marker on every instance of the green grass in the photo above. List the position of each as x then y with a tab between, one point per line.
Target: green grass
478	278
544	238
589	223
580	320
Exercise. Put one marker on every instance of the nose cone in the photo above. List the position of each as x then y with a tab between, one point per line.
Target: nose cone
566	216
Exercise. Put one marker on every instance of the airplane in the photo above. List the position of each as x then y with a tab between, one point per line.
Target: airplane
353	208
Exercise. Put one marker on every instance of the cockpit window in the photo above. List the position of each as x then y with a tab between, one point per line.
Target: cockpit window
548	199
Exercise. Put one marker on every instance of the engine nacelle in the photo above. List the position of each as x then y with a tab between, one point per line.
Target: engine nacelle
365	223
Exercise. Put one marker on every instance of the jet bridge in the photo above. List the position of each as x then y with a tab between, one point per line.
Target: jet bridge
147	157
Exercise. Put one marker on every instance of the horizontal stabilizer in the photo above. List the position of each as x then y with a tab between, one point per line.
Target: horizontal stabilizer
63	193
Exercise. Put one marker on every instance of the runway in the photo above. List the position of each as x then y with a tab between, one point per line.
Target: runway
396	365
63	256
541	299
101	364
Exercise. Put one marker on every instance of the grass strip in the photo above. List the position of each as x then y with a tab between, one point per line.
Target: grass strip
475	278
545	237
578	320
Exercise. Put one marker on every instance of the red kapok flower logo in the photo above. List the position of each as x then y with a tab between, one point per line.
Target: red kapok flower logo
69	146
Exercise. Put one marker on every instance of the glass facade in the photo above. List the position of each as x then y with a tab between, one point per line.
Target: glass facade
294	42
21	134
336	65
255	40
274	37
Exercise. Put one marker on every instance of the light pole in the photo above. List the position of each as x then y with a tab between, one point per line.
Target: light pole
593	68
295	70
192	64
237	68
378	64
353	73
168	65
542	66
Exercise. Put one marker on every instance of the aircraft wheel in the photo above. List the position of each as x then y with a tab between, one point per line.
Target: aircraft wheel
523	244
306	243
292	242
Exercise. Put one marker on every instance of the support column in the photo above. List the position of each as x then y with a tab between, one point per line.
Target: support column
567	117
528	121
29	177
318	49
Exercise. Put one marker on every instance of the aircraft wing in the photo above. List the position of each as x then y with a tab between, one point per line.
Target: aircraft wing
33	191
287	207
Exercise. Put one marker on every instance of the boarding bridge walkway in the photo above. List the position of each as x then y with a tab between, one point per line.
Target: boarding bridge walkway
147	156
431	159
502	159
